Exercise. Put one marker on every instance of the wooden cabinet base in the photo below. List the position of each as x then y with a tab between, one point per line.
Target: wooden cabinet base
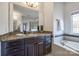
47	50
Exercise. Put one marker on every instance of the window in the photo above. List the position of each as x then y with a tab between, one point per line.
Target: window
75	19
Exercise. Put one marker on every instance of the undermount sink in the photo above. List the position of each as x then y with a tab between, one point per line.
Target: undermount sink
20	35
32	34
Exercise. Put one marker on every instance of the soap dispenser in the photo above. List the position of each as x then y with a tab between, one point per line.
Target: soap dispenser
38	28
41	27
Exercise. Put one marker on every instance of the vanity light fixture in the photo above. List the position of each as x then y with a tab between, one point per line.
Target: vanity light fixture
32	4
15	17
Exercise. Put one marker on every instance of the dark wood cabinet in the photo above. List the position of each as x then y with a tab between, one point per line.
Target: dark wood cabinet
47	46
12	48
33	46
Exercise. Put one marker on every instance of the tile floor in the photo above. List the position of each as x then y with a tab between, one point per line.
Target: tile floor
59	51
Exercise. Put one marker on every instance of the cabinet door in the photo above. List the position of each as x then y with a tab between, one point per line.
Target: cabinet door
35	49
33	46
29	47
47	44
26	45
4	14
48	39
26	49
30	50
13	48
40	49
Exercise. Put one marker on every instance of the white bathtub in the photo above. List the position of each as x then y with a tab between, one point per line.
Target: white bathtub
70	38
68	42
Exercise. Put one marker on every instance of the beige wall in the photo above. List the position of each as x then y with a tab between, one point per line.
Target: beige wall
11	17
41	14
46	16
58	14
3	18
6	17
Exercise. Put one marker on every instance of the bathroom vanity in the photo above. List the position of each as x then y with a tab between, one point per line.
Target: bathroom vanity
32	44
22	19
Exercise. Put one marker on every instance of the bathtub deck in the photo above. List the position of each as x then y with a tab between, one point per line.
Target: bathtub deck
57	41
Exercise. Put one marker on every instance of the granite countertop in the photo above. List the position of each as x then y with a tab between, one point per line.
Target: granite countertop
15	36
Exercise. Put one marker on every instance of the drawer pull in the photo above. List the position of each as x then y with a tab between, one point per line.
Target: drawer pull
40	43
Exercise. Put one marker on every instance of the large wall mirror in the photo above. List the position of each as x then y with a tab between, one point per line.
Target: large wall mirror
24	18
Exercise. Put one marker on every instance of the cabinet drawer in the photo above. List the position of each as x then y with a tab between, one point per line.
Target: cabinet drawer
15	47
15	51
14	43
